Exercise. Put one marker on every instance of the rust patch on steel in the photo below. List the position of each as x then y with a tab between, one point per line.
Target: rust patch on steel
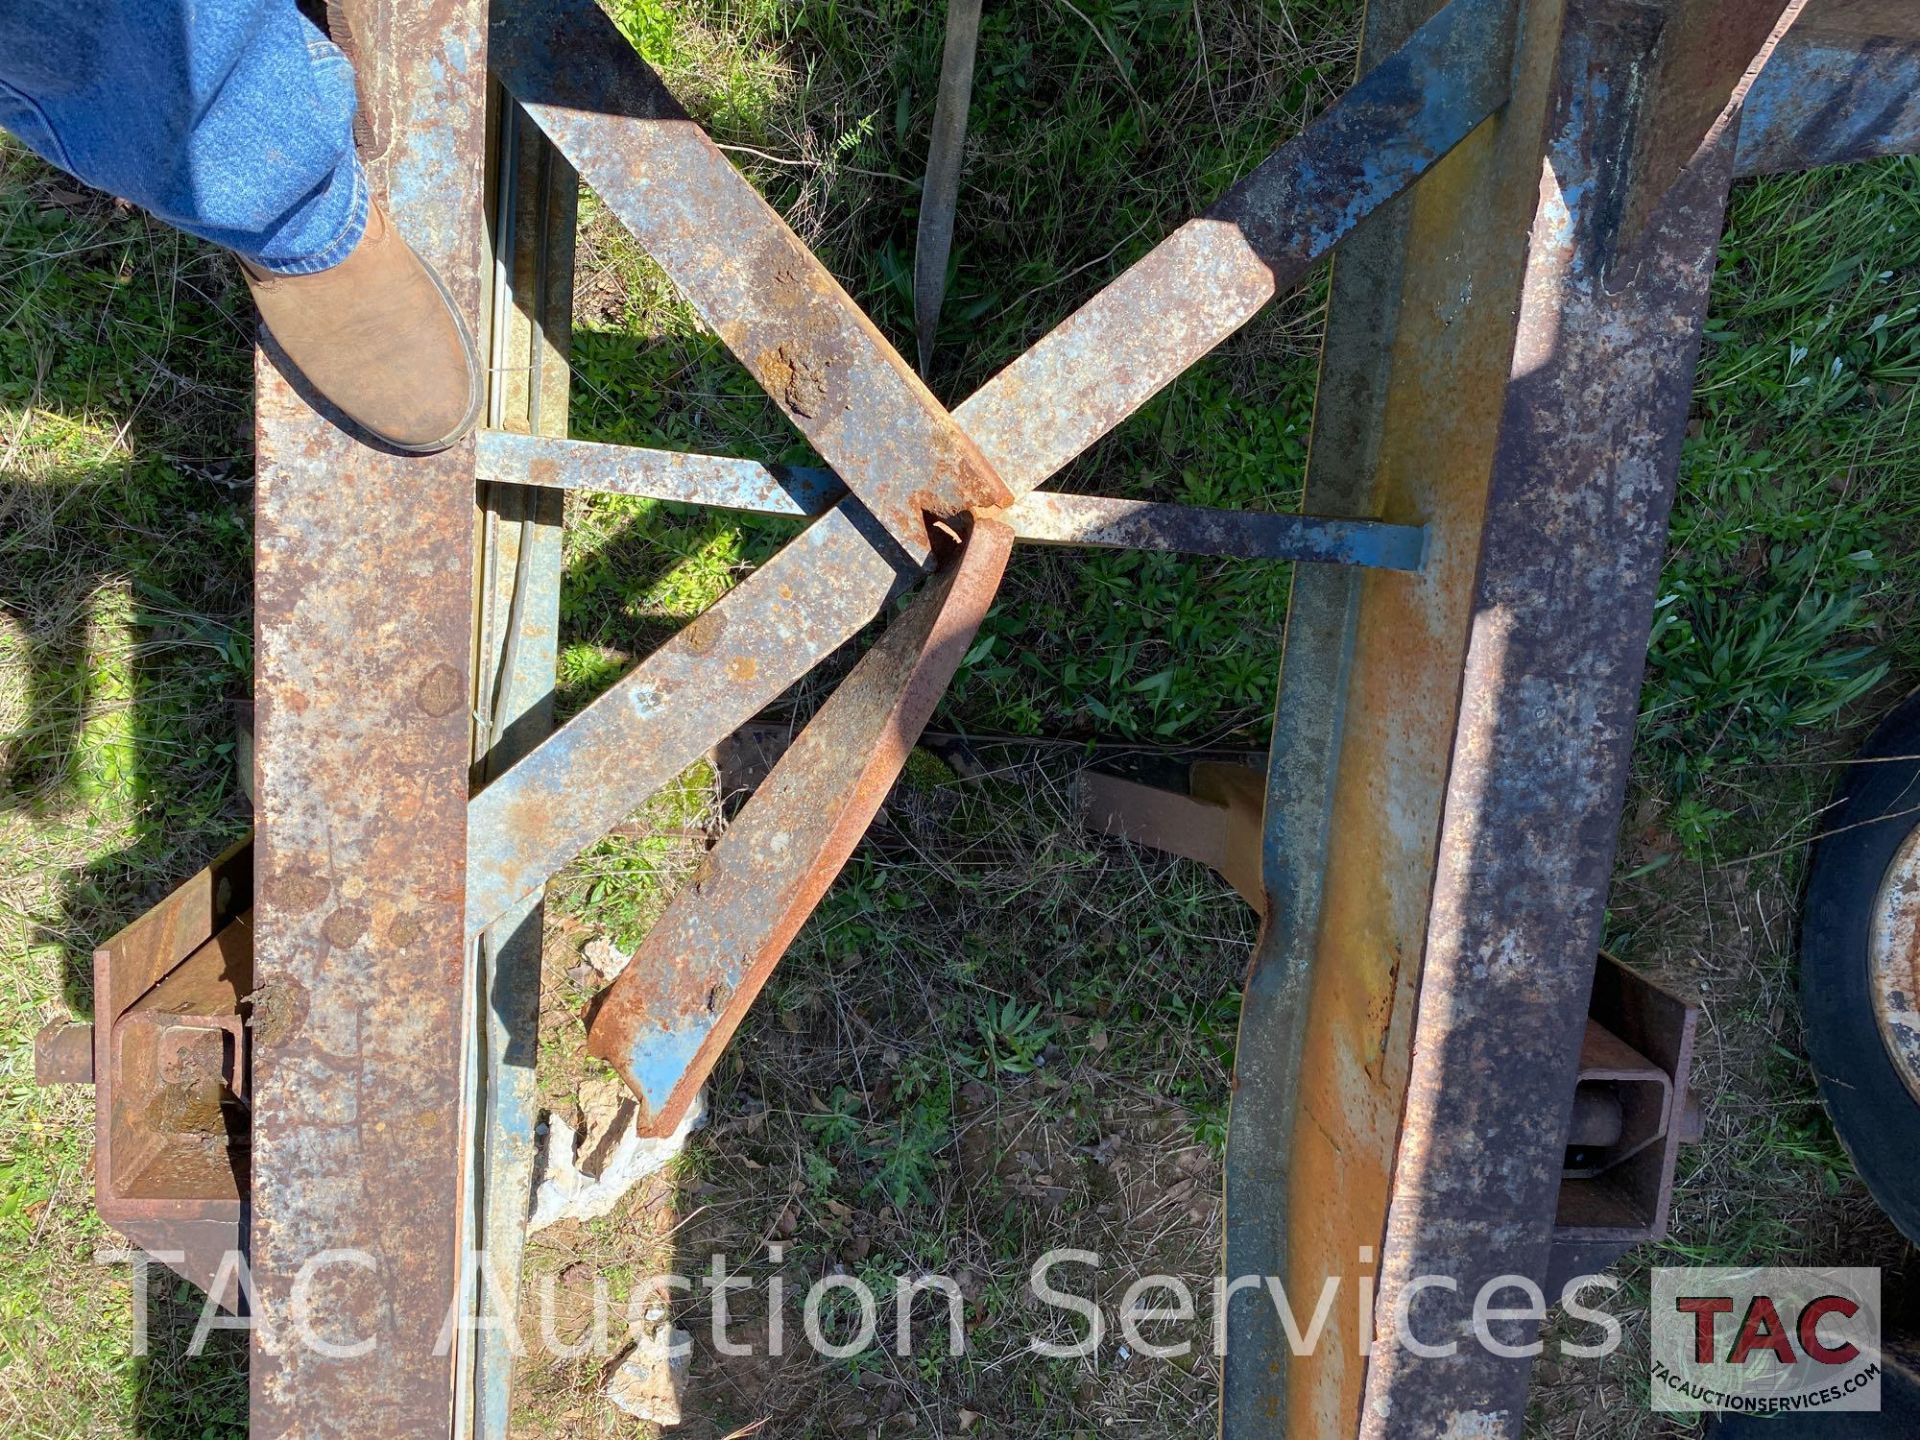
705	632
301	890
402	931
442	691
664	1023
346	927
279	1010
794	378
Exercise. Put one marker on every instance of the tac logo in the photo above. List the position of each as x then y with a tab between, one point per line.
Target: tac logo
1766	1340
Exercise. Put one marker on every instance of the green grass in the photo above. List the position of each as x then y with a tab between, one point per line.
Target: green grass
996	1031
124	565
1791	576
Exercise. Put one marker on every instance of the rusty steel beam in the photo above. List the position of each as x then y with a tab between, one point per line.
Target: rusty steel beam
1436	870
1216	820
940	192
763	292
1575	537
1417	354
720	481
1112	355
363	565
1698	60
1039	517
664	1023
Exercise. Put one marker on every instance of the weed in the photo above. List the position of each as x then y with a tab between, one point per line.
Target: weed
1013	1041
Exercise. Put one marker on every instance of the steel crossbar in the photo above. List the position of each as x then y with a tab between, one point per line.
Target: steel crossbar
1040	517
664	1022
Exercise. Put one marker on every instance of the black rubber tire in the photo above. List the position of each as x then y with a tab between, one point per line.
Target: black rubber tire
1877	1118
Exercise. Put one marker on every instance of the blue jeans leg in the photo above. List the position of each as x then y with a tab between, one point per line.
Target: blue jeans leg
229	119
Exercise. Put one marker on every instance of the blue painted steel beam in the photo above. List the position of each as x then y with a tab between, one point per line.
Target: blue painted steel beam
1828	97
536	203
1038	517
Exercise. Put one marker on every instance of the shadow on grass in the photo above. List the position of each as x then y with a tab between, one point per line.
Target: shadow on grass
125	736
125	559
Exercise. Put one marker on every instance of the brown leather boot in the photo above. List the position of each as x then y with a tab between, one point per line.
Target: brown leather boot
378	336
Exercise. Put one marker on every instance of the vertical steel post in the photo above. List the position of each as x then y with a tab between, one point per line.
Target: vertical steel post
363	564
1450	748
1420	335
533	204
1618	270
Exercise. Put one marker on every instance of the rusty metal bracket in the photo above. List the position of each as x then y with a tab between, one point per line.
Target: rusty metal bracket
1616	1184
1217	820
170	1068
940	192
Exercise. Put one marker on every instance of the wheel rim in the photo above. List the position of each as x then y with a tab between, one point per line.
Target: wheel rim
1893	962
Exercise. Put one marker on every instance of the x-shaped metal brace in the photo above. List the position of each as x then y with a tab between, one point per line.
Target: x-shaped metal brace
915	474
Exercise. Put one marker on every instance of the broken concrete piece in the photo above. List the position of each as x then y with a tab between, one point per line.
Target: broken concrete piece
607	1113
568	1192
606	958
650	1383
